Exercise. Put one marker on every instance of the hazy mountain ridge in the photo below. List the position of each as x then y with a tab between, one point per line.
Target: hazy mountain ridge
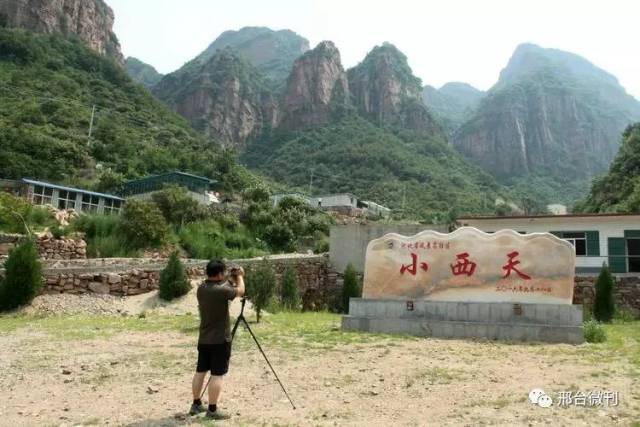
142	73
552	114
452	104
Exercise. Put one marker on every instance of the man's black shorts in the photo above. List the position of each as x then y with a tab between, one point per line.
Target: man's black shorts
214	358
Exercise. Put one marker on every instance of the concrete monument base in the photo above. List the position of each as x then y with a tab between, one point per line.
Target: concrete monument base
554	323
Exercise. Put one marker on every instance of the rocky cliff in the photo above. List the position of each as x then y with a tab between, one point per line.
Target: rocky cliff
316	90
141	72
552	114
225	97
385	91
90	20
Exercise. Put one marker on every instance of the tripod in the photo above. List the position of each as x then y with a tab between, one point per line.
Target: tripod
233	334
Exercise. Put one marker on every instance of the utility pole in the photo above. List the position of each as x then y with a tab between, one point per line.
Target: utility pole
93	114
311	182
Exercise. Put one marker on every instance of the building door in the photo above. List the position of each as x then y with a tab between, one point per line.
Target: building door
633	251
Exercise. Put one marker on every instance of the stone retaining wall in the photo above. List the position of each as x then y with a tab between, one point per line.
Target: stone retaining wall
48	246
319	287
64	248
626	293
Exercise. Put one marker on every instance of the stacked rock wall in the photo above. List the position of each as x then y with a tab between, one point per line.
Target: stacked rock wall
49	248
626	292
319	287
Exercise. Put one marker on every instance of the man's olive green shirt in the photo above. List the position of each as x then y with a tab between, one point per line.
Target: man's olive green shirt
213	303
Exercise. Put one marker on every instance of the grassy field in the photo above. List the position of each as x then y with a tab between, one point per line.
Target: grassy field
135	370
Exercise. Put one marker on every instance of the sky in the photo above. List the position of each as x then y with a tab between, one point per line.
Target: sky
445	40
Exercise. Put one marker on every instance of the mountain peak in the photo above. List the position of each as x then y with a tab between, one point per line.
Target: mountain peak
316	90
530	58
272	52
385	91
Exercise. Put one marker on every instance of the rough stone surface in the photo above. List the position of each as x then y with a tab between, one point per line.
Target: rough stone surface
49	248
319	287
626	293
470	265
317	84
444	319
385	91
90	20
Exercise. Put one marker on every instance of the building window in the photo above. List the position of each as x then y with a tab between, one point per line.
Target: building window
42	195
111	206
66	199
90	203
578	240
633	251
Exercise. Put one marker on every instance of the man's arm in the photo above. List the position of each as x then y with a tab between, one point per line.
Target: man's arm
240	286
237	279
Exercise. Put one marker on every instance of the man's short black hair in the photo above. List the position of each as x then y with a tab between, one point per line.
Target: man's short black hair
215	267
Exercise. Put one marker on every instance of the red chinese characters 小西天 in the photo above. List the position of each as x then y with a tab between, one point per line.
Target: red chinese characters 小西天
464	266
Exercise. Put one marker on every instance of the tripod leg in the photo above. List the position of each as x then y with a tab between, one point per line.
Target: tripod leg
246	325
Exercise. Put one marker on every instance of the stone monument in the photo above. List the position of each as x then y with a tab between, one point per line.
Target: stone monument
468	283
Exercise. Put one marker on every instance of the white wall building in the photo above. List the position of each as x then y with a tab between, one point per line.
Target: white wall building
597	238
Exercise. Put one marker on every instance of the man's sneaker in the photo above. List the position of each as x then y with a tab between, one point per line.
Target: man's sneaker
196	409
217	415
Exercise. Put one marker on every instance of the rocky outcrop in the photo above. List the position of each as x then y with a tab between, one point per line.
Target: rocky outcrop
317	88
142	73
270	52
385	91
224	98
552	114
90	20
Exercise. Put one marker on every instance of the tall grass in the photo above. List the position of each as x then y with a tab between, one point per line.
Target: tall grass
209	239
104	236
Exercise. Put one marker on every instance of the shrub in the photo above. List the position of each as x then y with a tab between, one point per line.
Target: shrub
280	237
260	284
104	236
173	279
177	206
14	212
594	332
143	224
289	290
603	305
58	232
351	287
209	239
23	276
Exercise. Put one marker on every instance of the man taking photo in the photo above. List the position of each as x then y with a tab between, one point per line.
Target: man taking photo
214	342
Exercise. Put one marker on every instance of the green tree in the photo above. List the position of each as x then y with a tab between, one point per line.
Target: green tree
14	212
261	284
109	181
143	224
173	279
604	305
351	287
289	290
177	206
23	276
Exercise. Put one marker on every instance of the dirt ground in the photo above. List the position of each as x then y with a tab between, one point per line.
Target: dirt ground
136	371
